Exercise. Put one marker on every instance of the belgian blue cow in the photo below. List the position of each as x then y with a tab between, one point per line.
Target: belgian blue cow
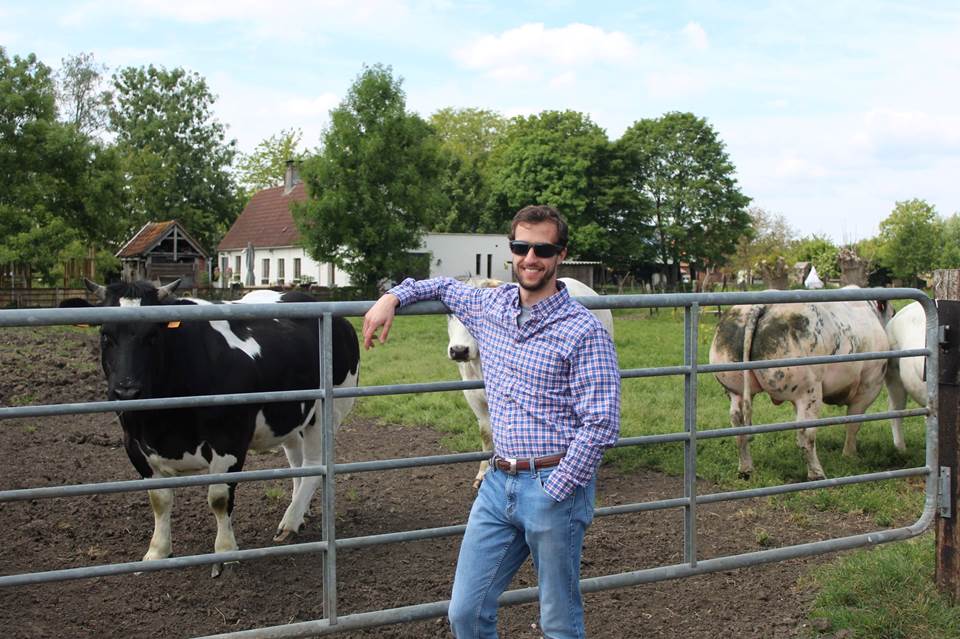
144	360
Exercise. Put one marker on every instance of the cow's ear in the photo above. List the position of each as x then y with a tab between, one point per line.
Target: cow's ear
99	291
166	291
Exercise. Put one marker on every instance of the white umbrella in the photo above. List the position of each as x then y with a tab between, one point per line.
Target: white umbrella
813	280
251	279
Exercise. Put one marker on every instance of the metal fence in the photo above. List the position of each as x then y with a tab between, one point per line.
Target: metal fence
689	369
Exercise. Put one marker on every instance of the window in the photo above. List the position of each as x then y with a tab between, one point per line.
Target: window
237	271
489	265
477	270
265	274
296	268
280	270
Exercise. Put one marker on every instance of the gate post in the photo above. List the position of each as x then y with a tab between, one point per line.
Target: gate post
947	292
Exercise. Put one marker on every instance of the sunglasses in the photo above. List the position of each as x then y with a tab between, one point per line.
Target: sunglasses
540	249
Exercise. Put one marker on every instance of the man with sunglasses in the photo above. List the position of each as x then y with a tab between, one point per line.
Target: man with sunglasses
553	389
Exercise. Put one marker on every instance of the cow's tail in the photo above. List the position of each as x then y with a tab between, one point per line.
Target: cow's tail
749	328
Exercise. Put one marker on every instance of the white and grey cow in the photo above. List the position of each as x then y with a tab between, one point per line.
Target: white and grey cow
462	349
758	332
905	375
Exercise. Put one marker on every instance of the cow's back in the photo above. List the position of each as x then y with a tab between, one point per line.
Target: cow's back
908	330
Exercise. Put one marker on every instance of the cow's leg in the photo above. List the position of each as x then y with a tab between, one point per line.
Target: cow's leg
896	400
293	448
807	408
161	502
743	441
486	439
220	497
312	455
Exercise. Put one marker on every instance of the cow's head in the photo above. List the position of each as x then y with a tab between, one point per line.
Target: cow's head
462	347
131	353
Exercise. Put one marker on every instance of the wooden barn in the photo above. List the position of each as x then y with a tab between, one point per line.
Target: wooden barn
162	252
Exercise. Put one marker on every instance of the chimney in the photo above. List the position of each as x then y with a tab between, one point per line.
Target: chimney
292	177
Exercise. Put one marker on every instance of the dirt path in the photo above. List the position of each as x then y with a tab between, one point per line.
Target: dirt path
50	534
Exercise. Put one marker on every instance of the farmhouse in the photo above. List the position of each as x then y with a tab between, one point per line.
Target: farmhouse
163	252
263	248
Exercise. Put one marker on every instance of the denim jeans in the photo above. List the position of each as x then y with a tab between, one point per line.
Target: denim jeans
511	518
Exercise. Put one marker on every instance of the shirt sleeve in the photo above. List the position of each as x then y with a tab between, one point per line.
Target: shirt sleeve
463	301
595	385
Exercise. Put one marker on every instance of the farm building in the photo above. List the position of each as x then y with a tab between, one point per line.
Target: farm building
163	252
262	248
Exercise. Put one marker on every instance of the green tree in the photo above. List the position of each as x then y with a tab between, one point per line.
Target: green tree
60	187
678	166
375	186
81	98
174	151
950	255
467	138
819	251
559	158
266	165
911	239
770	237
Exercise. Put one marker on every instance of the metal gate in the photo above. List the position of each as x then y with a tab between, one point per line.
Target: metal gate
689	369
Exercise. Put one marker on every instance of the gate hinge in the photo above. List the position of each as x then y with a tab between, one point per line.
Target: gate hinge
943	494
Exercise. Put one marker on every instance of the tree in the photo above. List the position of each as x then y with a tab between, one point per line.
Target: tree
174	152
467	138
820	252
910	239
559	158
769	237
60	187
678	166
950	255
81	99
374	188
267	164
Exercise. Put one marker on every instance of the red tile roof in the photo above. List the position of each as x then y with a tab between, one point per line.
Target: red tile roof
266	221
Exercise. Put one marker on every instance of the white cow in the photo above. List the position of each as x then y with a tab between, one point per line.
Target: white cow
905	376
462	349
759	332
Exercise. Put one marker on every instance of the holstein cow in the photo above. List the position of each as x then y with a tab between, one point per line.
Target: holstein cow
758	332
906	375
144	360
462	349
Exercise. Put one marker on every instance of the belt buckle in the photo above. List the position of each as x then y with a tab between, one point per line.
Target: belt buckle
513	466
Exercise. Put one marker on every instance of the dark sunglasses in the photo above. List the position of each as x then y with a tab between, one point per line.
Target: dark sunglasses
540	249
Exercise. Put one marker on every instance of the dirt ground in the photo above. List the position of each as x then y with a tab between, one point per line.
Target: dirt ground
42	366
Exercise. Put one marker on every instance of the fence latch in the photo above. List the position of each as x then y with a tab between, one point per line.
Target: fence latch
943	494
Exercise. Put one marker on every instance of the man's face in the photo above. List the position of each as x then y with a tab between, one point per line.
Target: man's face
531	272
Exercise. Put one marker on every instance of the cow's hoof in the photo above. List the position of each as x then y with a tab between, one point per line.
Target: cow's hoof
283	536
226	567
815	477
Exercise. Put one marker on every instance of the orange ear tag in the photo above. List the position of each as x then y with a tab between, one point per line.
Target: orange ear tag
174	324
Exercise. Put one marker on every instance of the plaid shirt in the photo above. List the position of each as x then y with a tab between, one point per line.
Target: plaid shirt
552	384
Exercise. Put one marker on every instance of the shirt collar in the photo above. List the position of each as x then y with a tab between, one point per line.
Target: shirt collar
547	306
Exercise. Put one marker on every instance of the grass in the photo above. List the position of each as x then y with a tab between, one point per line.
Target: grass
885	593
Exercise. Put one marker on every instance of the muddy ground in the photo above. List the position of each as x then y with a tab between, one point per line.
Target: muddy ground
50	366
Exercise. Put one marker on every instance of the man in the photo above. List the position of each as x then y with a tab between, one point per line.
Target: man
553	387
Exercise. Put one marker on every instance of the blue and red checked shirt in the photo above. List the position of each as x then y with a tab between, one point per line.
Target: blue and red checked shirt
552	384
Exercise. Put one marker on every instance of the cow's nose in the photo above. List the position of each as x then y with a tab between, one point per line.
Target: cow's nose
459	353
126	390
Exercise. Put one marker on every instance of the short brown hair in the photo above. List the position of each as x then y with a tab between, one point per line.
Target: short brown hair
536	213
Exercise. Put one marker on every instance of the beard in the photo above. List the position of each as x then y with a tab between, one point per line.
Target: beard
545	276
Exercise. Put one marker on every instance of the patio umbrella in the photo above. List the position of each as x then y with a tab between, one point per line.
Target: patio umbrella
251	280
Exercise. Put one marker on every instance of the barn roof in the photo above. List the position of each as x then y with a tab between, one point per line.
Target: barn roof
266	220
151	234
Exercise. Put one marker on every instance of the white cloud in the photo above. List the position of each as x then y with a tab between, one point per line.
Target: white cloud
534	45
908	133
695	36
794	166
564	80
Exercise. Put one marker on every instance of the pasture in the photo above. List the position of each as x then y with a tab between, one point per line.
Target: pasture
59	364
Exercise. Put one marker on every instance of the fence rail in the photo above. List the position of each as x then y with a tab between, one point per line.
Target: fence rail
690	369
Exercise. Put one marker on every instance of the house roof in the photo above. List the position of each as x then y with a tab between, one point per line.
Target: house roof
151	234
266	221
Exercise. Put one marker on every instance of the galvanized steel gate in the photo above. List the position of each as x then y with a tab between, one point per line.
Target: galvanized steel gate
689	369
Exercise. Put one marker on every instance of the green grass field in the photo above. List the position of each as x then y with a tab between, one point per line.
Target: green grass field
416	353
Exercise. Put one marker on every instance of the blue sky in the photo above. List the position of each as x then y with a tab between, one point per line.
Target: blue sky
831	111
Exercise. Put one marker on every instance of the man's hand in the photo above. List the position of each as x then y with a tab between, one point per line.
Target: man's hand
380	314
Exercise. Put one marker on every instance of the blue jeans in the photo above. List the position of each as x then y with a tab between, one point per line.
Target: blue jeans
511	518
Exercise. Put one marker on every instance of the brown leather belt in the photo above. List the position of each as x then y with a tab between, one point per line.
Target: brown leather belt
512	466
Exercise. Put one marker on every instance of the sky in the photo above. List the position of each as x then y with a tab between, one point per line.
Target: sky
831	112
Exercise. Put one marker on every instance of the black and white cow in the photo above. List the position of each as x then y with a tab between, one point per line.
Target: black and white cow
144	360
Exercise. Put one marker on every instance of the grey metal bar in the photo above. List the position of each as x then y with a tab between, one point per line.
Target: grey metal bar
329	485
691	321
806	361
